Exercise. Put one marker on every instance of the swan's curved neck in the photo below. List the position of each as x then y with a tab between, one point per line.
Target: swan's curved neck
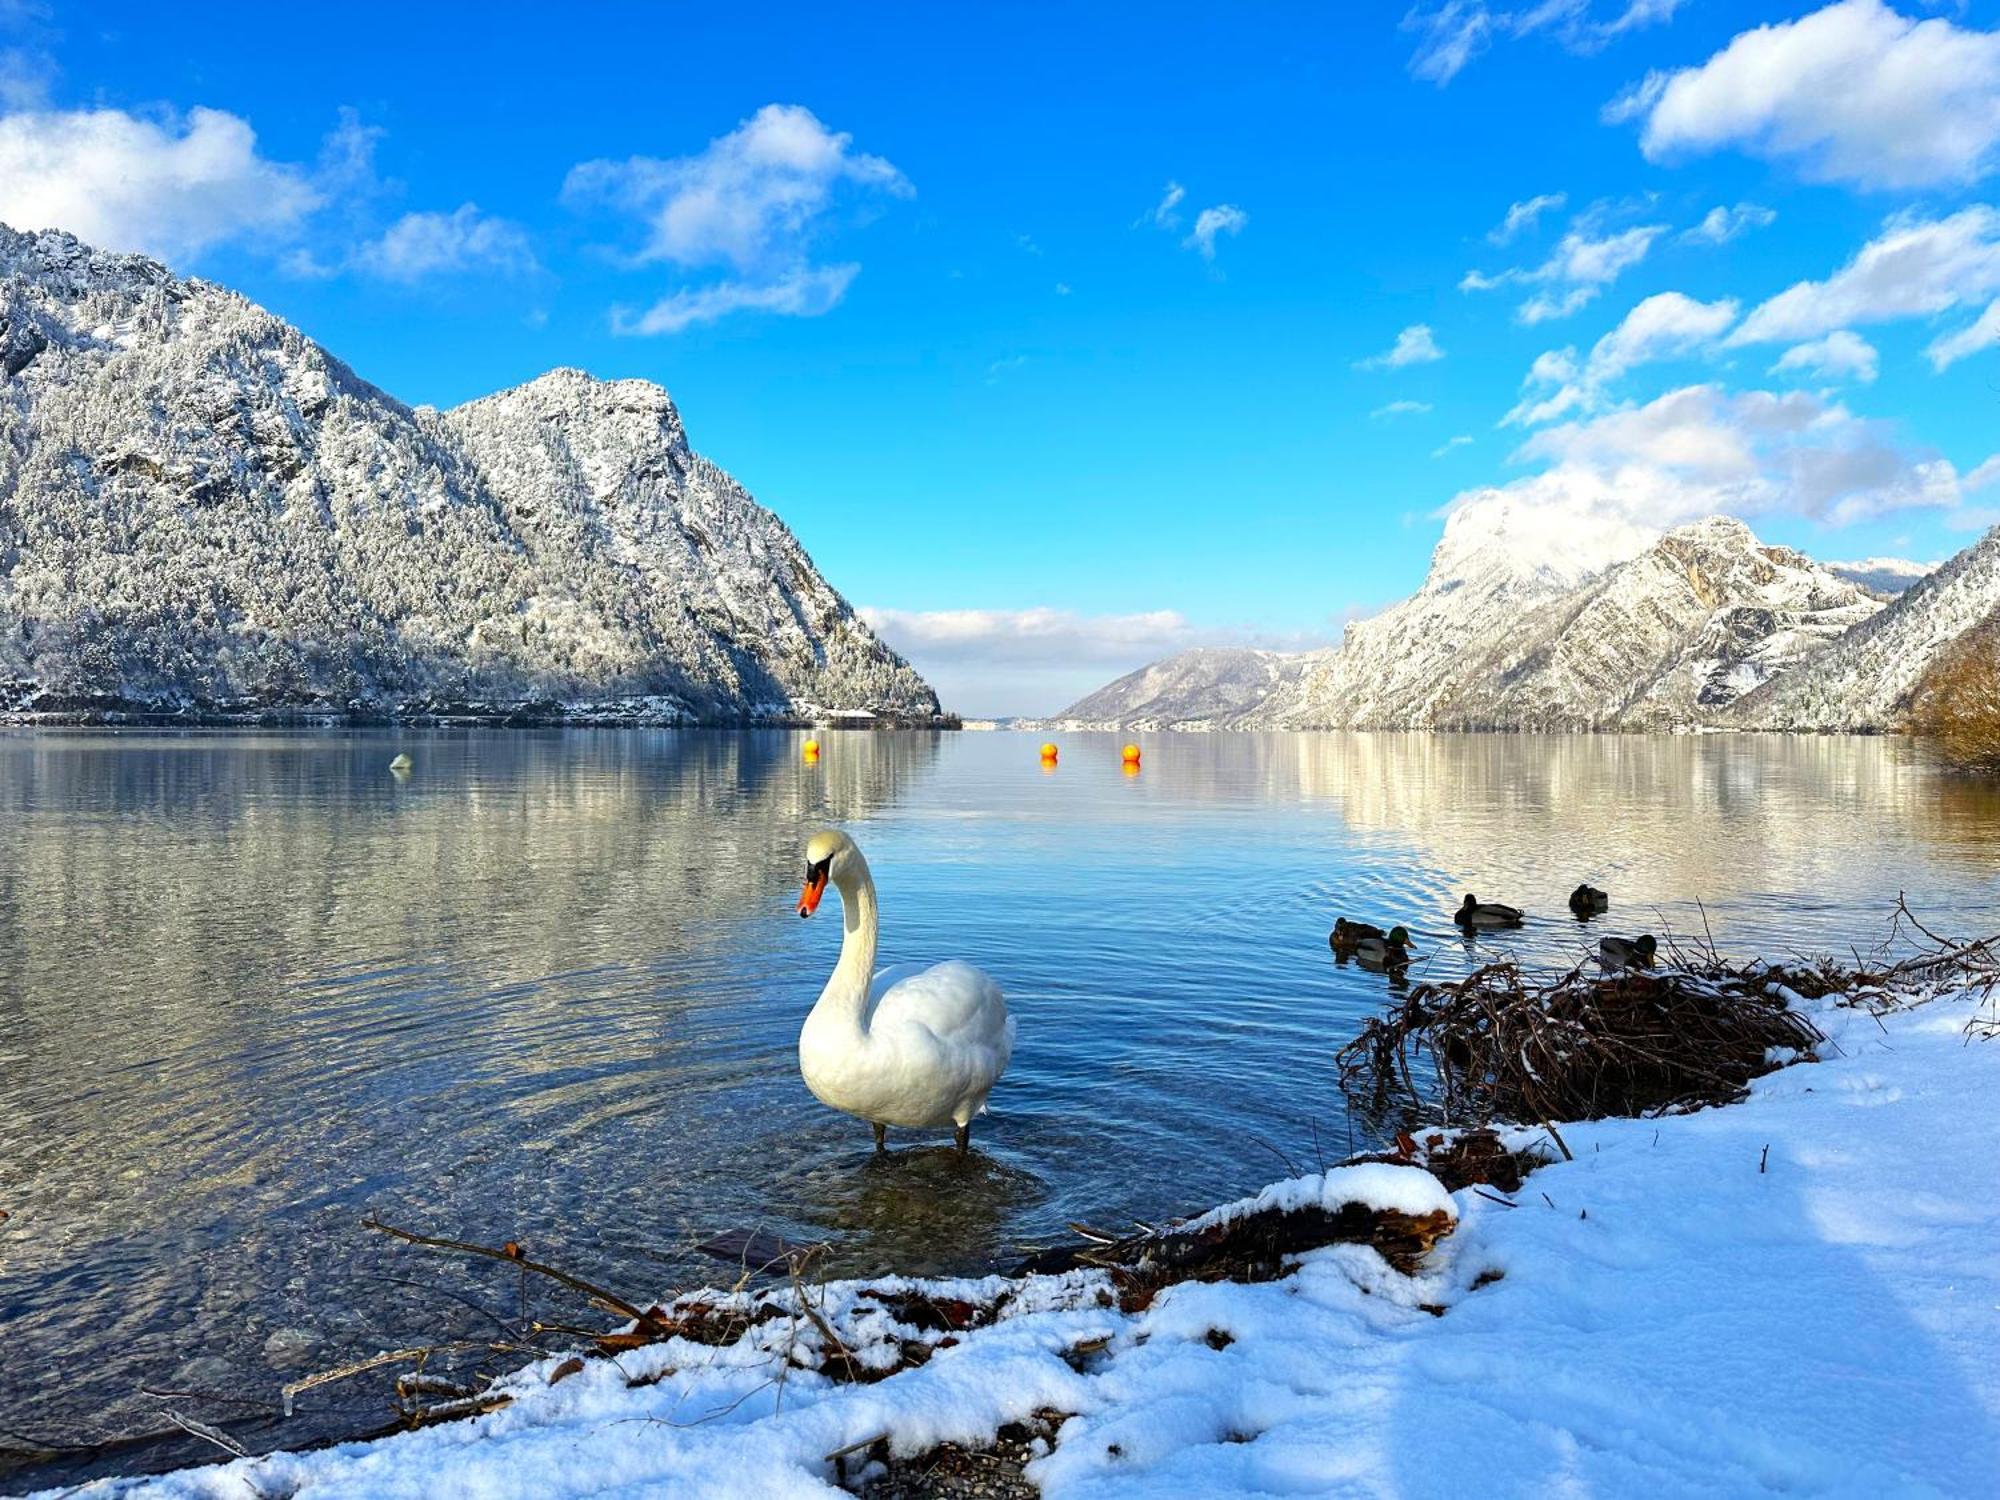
844	1001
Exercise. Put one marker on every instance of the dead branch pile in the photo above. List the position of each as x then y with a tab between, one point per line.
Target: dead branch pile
1502	1046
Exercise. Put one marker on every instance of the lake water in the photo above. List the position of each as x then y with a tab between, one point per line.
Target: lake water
548	988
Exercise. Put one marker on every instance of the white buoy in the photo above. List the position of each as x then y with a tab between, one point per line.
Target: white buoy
401	765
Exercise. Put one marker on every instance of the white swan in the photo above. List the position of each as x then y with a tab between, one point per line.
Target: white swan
921	1049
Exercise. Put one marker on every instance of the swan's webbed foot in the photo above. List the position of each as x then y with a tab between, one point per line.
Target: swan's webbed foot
881	1138
963	1136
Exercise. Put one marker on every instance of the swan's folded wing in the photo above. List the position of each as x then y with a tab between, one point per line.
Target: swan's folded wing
955	1002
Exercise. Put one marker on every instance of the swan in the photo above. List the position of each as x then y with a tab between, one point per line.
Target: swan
922	1049
1477	913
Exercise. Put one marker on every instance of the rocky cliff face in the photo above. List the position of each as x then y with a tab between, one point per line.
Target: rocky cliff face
1864	681
204	512
1665	640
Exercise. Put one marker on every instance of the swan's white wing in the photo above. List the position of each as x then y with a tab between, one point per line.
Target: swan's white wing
955	1002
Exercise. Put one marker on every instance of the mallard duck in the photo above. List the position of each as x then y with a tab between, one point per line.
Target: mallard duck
1477	913
1389	949
1588	901
1347	936
1627	953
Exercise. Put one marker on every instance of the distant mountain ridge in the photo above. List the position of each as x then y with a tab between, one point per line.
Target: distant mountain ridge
1520	626
202	512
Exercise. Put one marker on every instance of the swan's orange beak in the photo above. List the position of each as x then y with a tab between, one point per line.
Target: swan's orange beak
815	887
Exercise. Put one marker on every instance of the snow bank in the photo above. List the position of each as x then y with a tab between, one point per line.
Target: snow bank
1796	1294
1377	1185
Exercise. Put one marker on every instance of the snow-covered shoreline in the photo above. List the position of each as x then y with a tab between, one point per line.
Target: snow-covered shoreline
1798	1293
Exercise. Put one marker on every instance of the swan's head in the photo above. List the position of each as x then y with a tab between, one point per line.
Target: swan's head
828	854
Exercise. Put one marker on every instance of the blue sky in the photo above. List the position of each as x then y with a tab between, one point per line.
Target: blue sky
1064	338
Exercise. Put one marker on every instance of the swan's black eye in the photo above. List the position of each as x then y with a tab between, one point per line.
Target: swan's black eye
817	870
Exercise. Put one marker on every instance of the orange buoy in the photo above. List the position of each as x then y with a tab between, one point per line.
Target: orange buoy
1131	755
1049	751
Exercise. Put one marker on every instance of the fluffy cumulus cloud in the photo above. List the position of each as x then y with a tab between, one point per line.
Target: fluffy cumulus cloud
427	244
1452	34
1668	325
754	201
1415	345
1916	268
1701	450
1854	93
1589	257
1841	355
170	186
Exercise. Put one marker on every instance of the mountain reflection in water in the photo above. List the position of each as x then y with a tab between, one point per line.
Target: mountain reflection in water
547	987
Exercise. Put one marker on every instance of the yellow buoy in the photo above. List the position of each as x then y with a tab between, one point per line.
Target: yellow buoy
1049	751
812	749
1131	755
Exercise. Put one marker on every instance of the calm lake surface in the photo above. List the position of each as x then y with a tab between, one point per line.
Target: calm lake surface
548	988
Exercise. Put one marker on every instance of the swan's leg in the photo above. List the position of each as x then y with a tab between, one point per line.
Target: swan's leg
881	1137
963	1136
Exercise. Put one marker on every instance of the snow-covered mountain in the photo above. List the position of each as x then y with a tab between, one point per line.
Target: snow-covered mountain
1884	576
1524	626
1498	560
1864	681
1663	640
203	511
1204	688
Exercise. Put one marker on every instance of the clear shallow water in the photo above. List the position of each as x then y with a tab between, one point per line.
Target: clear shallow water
548	988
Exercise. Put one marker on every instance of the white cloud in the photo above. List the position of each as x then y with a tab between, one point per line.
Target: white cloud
807	292
171	187
1667	325
1853	93
1701	450
750	199
1915	268
1984	476
1841	355
1984	332
1450	443
425	244
1028	635
1550	307
1459	30
1401	409
1415	345
1166	213
1224	218
754	200
1522	216
1020	661
1588	258
1721	225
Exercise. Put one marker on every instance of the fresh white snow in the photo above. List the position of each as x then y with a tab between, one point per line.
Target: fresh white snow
1798	1294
